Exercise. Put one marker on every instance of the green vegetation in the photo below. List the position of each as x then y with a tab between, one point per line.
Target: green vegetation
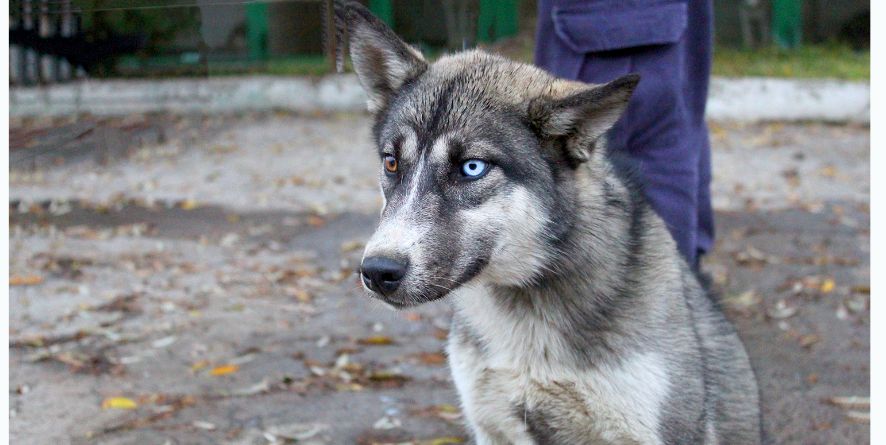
808	61
834	60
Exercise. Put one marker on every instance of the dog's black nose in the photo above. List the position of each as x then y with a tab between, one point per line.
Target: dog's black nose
381	274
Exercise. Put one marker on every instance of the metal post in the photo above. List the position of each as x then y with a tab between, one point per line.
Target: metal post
331	36
30	57
787	22
257	30
47	62
384	10
66	29
15	52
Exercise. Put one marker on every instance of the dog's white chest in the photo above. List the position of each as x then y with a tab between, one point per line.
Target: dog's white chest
512	394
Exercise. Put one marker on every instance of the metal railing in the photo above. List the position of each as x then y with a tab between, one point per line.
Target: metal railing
40	31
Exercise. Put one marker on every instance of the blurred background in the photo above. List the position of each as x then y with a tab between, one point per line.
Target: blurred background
191	184
58	40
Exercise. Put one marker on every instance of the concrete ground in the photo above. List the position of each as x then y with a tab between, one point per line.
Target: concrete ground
186	279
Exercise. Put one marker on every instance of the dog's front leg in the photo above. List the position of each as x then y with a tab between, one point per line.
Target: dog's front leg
497	397
486	396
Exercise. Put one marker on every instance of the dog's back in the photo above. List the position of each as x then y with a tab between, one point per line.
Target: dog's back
733	409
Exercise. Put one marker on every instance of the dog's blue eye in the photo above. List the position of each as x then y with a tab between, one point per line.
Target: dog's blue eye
474	168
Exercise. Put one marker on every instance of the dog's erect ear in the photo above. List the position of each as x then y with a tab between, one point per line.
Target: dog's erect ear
382	61
581	118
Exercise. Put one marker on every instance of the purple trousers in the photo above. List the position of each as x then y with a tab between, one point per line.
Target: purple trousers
663	132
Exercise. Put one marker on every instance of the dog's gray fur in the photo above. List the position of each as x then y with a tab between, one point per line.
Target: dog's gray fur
576	320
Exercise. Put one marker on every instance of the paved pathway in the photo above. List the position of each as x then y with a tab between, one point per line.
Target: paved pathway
203	269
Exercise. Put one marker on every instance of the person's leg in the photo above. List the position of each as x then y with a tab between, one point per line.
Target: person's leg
705	238
663	130
655	135
700	40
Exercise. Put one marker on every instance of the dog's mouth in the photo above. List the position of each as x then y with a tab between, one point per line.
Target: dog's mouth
411	295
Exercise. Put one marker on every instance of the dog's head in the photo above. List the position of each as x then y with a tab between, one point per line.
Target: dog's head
478	160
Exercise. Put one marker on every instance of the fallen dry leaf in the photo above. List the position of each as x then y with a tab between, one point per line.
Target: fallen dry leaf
752	257
316	221
388	379
861	289
442	441
119	403
782	310
376	340
387	423
300	294
351	246
412	316
827	286
199	365
447	412
828	171
189	204
744	302
203	425
296	432
850	401
252	390
859	416
808	340
25	280
857	303
431	358
224	370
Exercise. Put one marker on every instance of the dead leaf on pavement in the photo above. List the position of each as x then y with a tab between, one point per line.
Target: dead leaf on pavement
850	401
299	294
203	425
376	340
199	365
25	280
441	441
296	432
412	316
351	246
808	340
444	411
828	171
119	403
861	289
752	257
859	416
386	379
316	221
743	303
224	370
431	358
188	204
782	310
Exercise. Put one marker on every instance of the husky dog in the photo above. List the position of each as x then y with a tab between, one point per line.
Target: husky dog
575	318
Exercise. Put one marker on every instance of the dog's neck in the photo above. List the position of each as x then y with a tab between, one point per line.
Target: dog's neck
576	311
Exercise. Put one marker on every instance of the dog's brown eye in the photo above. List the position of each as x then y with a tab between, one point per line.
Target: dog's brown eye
390	164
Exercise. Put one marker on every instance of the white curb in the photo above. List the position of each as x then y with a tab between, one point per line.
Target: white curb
730	99
766	99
